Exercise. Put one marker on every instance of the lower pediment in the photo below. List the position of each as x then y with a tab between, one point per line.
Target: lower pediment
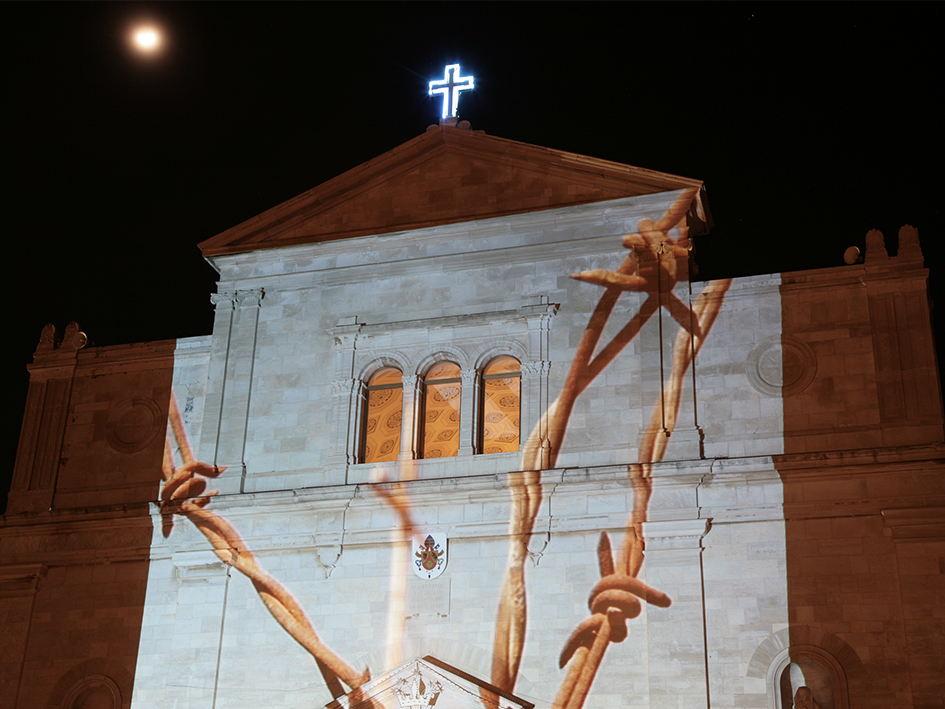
428	682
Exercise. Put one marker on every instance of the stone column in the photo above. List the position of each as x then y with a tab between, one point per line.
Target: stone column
468	412
411	430
676	648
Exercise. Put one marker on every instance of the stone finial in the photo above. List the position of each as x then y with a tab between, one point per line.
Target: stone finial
73	338
909	248
875	246
47	339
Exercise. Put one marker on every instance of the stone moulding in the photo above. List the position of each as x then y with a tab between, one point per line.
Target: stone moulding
918	524
18	580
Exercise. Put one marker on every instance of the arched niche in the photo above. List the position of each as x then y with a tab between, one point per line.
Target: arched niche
804	656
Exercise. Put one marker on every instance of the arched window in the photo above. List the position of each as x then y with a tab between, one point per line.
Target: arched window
382	416
501	405
441	398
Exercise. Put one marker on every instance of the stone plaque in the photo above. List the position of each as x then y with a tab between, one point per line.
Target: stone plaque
430	597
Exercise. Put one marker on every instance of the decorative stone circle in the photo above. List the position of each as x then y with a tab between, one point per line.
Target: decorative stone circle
93	692
133	425
781	365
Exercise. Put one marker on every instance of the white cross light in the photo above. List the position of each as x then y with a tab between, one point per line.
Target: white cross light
450	86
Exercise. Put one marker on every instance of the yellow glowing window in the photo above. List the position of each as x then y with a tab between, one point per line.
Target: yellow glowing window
385	401
501	405
442	387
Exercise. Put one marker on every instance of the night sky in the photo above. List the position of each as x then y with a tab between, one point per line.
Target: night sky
809	123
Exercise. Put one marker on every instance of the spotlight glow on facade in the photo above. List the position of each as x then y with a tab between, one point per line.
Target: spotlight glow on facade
450	86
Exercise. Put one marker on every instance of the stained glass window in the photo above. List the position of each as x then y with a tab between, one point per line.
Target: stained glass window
441	397
385	402
501	405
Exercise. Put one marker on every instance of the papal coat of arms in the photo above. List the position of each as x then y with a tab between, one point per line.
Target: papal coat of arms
429	557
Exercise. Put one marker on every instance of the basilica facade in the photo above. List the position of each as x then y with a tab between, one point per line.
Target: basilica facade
467	433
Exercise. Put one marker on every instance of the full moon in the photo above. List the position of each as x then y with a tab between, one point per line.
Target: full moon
147	39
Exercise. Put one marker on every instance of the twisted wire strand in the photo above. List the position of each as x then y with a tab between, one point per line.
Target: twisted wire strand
614	599
396	497
184	494
548	433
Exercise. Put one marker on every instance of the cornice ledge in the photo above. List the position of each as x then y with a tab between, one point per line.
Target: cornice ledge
17	580
672	535
862	456
78	515
915	524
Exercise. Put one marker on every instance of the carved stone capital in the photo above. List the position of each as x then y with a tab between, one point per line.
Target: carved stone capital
201	565
20	579
343	386
223	300
250	297
536	367
671	535
345	341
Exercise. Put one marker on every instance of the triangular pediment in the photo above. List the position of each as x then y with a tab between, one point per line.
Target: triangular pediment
428	682
444	176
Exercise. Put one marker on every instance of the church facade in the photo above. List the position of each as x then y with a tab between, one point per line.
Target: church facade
467	433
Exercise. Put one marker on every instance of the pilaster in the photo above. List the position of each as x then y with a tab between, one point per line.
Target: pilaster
468	401
47	407
232	358
664	350
199	617
536	389
903	348
410	433
534	402
347	393
348	402
676	645
18	585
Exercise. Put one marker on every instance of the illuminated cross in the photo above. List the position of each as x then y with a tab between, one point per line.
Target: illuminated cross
450	86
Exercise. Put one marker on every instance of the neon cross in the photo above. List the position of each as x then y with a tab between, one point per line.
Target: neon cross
450	86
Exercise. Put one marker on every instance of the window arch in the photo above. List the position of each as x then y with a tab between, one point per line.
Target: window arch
500	409
442	396
803	656
380	441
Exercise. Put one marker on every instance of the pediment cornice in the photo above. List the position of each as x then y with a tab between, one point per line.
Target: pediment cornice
444	176
428	682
